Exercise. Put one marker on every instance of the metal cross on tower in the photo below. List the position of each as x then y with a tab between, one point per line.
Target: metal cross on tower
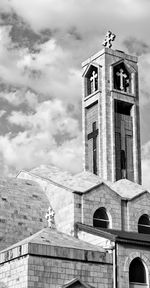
108	39
93	79
50	214
122	76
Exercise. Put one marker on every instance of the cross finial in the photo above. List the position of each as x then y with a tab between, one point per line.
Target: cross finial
108	39
50	217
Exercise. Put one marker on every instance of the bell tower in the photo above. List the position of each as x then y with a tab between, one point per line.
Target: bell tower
111	123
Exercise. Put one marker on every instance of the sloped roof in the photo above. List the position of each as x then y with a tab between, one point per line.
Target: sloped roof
76	281
84	181
80	182
127	189
51	243
116	235
48	236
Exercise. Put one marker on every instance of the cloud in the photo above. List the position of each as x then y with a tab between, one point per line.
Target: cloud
20	96
144	70
50	116
141	49
66	13
146	164
40	54
136	46
72	21
2	112
39	142
48	71
146	173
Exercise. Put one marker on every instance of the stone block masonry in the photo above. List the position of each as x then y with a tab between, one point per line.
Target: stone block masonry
50	259
23	206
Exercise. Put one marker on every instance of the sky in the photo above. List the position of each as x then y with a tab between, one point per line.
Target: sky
42	46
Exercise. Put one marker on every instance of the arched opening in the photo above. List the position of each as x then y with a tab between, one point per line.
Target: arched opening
122	78
100	218
91	78
137	274
144	224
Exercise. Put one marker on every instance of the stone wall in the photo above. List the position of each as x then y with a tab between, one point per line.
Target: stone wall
126	253
91	114
136	208
14	274
23	206
55	272
101	196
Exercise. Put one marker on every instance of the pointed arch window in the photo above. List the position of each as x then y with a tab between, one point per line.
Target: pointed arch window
100	218
91	78
144	224
137	274
122	78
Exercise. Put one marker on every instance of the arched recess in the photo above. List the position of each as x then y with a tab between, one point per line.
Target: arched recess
122	77
144	224
138	274
100	218
91	80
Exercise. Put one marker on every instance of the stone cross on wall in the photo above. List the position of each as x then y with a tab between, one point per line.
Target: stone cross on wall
93	135
50	217
93	79
108	39
122	76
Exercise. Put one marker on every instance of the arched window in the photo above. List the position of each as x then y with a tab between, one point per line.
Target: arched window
144	224
122	78
137	274
91	78
100	218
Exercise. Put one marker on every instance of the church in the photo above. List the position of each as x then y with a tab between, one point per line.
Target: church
91	229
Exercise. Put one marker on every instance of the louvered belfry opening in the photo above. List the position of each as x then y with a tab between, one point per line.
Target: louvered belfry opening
123	140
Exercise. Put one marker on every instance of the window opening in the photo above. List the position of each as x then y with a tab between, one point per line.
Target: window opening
91	80
100	218
144	224
122	80
137	273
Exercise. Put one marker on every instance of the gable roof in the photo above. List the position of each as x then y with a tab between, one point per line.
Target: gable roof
127	189
74	281
52	243
84	181
80	182
53	237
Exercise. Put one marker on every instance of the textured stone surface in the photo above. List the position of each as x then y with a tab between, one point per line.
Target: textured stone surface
127	189
50	174
126	253
14	274
83	193
22	210
50	259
